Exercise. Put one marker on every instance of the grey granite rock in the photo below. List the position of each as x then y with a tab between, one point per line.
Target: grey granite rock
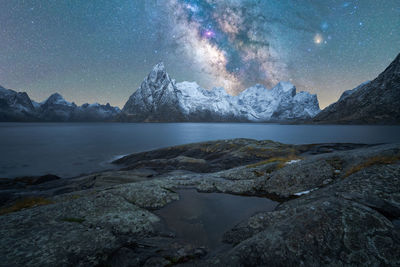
80	231
327	231
339	205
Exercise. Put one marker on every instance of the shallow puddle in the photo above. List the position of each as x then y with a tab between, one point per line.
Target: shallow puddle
202	218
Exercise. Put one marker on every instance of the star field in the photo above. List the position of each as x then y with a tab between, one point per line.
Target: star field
100	51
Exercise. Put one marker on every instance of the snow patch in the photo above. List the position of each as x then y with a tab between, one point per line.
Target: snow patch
285	86
305	192
292	161
117	157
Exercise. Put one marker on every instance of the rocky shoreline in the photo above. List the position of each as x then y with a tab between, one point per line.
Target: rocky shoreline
339	204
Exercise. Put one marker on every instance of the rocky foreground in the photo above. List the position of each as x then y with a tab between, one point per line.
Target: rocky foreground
339	205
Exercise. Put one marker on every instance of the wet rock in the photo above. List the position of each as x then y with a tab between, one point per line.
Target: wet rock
154	251
348	223
207	156
123	257
327	231
23	182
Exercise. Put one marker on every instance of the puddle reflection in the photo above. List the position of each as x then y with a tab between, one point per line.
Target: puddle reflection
202	218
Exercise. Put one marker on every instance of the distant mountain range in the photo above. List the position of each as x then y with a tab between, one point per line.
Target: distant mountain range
16	106
161	99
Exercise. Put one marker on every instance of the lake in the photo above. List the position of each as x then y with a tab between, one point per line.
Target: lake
71	149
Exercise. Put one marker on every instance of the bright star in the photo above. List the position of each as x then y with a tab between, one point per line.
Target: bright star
318	39
209	34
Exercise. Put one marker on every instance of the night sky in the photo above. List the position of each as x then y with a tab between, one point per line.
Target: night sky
100	51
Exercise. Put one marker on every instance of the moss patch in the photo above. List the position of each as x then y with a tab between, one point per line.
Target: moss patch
372	161
280	160
268	152
258	173
336	163
25	203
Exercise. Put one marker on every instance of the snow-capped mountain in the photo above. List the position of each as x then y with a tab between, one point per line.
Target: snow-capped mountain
156	99
159	98
56	108
375	102
16	106
95	112
281	103
348	93
198	104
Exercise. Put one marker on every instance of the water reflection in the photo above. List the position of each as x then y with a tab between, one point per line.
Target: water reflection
202	218
69	149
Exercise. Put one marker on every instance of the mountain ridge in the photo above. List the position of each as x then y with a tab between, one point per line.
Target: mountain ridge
374	102
160	98
18	107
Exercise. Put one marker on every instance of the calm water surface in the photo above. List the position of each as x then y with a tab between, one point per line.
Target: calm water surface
70	149
203	218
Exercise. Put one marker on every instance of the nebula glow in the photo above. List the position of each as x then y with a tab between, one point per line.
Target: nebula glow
228	41
209	34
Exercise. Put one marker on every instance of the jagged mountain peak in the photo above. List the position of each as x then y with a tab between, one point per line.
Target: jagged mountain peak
391	73
156	98
158	73
16	106
6	91
255	89
375	102
158	79
159	67
285	86
160	99
56	97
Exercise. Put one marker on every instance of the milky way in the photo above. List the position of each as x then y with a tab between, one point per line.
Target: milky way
238	43
100	51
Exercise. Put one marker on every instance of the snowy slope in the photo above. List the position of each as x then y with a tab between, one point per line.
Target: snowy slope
159	98
17	106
